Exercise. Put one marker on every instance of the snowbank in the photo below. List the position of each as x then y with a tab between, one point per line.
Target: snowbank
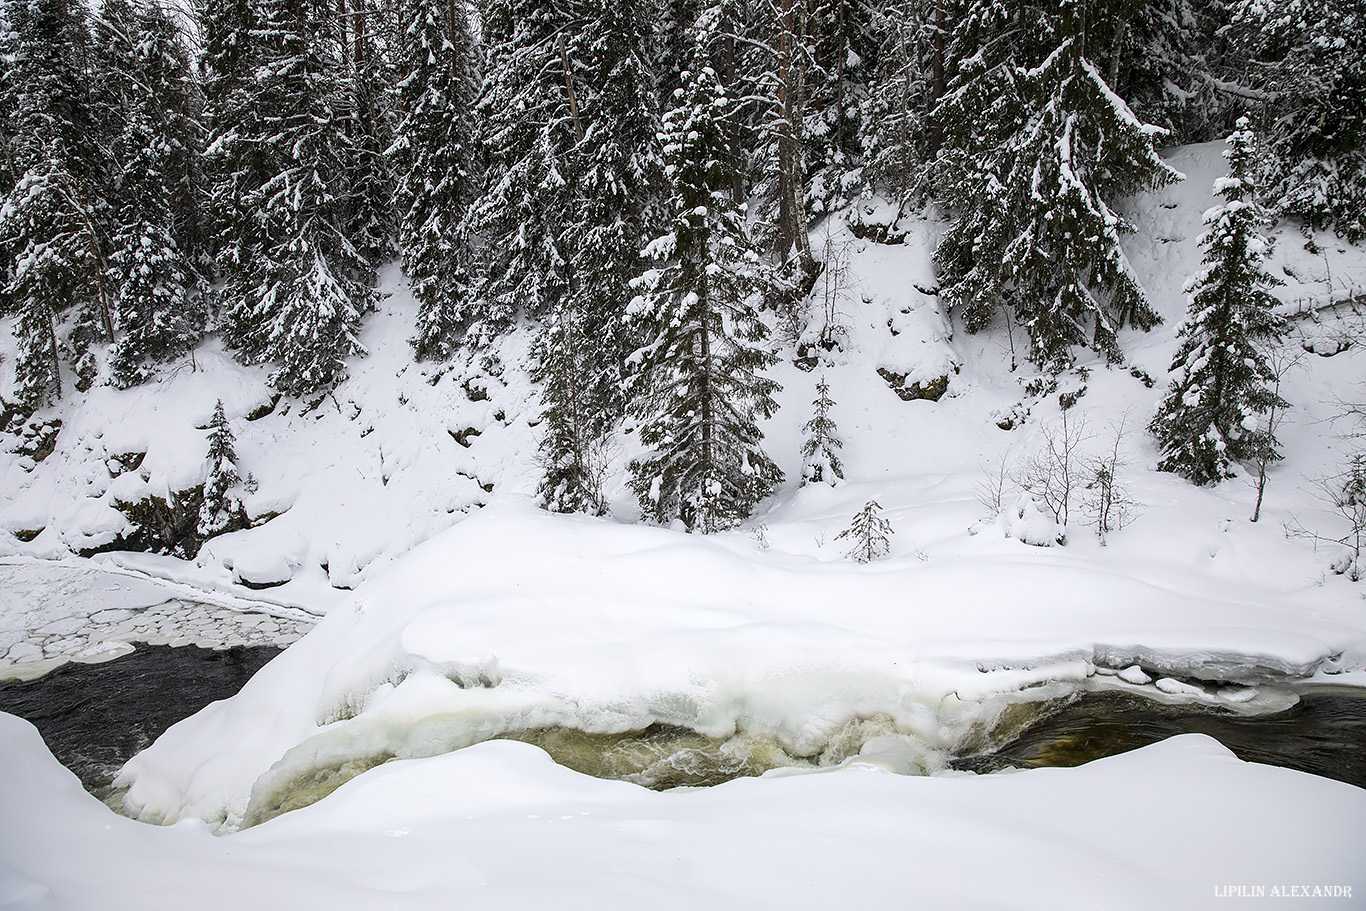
517	620
500	826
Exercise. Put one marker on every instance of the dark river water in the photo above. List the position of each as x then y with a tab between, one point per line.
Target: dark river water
95	717
1322	734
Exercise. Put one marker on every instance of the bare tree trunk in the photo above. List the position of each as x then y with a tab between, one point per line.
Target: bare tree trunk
451	12
786	215
791	88
937	62
1280	361
737	186
1115	55
569	88
841	53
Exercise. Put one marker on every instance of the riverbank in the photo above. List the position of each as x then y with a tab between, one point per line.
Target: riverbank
500	826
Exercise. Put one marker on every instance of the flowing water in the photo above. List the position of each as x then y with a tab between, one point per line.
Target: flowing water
94	717
1322	734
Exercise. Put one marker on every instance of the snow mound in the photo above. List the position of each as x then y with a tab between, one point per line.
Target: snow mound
501	826
517	620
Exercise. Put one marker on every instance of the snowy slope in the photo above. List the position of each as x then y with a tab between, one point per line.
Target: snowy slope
359	477
401	451
466	623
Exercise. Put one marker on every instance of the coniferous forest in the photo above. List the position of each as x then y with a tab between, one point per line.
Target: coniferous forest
637	181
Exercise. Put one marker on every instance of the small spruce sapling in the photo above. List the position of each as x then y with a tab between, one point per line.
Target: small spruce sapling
869	533
820	461
222	507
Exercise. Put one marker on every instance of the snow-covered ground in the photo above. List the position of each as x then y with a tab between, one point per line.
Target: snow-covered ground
466	623
499	826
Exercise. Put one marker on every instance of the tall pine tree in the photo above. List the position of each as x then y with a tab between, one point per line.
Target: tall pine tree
1315	54
299	284
618	189
1033	160
157	301
53	221
1213	413
530	123
696	392
436	166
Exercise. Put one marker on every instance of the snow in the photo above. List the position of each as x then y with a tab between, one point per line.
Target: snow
83	610
452	614
501	826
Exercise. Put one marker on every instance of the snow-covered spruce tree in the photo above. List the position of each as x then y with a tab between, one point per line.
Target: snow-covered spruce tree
303	287
52	222
527	123
1172	62
434	162
157	305
899	93
369	219
233	169
621	188
1032	160
845	40
1081	149
222	507
1222	384
1315	56
820	461
696	393
976	122
574	448
618	205
870	535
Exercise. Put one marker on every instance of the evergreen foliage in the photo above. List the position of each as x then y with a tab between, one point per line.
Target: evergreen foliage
434	161
835	49
1173	63
574	448
1223	385
1316	53
696	391
52	221
621	189
157	304
870	535
618	204
368	206
222	507
900	91
820	461
1033	159
299	284
528	133
233	165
